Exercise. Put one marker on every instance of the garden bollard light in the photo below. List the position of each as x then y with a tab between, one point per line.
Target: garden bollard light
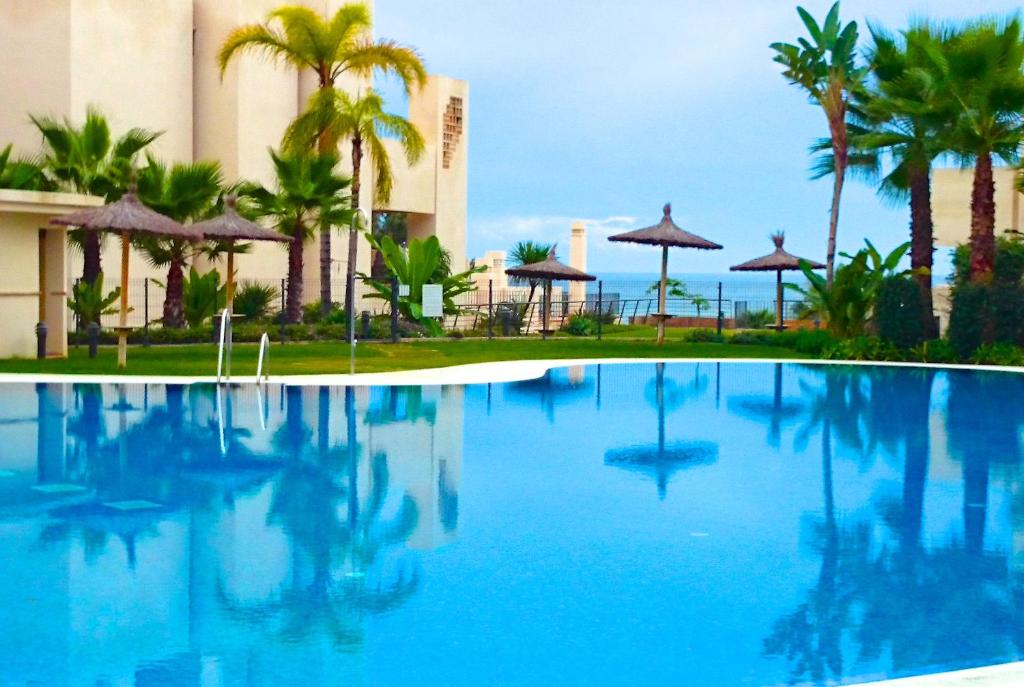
93	334
365	318
41	329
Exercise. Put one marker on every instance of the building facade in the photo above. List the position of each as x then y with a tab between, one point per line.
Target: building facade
152	64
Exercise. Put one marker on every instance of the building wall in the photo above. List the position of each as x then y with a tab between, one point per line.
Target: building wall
951	204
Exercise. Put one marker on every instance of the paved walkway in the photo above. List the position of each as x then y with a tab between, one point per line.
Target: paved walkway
1009	675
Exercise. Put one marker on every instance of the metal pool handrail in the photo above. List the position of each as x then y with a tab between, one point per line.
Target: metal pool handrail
264	352
225	318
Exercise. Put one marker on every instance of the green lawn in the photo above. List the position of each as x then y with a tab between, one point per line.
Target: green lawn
327	358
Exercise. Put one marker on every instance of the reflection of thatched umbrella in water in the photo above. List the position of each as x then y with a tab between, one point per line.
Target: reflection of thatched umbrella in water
776	411
663	459
548	271
126	217
549	387
777	262
665	234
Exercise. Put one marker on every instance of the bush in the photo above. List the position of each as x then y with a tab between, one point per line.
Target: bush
254	301
937	351
703	336
581	325
202	296
863	348
998	354
311	314
898	312
755	319
968	318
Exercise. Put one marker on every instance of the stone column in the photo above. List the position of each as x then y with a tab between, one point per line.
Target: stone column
578	259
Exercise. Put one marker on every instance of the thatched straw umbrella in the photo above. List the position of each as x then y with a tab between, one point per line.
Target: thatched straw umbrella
548	271
667	235
231	227
777	262
126	216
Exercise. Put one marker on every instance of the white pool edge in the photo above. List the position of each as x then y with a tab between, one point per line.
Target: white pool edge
1005	675
476	373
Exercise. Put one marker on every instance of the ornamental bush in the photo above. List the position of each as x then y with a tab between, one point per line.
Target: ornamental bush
898	312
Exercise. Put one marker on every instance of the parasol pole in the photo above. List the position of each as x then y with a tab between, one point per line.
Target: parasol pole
122	332
231	277
778	300
661	295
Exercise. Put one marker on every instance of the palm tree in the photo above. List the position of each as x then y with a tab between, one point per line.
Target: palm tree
907	116
528	253
330	47
981	68
825	67
186	193
24	174
86	160
332	116
309	195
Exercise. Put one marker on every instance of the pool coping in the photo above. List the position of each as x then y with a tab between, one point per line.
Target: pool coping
494	372
1003	675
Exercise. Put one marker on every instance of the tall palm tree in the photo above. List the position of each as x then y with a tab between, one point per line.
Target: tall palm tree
826	68
309	195
982	73
528	253
186	193
907	116
330	47
333	115
86	159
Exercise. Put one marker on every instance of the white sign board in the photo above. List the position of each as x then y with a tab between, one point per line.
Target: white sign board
433	302
403	289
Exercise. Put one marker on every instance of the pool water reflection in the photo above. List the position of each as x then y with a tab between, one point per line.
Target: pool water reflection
706	524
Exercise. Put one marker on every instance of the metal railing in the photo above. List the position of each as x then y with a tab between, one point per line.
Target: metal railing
262	376
223	346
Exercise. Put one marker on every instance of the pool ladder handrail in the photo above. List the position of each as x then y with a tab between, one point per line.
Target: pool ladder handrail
262	376
225	319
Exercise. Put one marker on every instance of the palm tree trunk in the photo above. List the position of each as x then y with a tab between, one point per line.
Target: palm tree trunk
325	269
293	306
353	235
983	220
91	266
922	244
174	309
840	152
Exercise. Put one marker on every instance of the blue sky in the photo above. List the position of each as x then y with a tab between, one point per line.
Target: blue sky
603	111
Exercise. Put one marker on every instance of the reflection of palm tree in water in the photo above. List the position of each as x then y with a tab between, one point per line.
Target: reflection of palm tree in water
810	637
337	572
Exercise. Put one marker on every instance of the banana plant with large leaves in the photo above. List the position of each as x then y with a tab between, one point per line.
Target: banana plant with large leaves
847	304
423	262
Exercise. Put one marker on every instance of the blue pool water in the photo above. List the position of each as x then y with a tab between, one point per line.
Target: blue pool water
692	524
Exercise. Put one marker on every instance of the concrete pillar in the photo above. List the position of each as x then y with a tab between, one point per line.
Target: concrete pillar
53	290
578	259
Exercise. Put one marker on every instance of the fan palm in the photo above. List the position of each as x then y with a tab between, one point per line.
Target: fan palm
309	195
333	115
908	117
825	67
23	174
86	159
186	193
330	47
528	253
981	67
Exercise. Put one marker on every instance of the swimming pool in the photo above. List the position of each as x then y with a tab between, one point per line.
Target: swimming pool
699	524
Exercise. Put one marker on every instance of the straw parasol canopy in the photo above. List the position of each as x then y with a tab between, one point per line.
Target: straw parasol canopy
229	228
549	270
778	262
126	216
667	235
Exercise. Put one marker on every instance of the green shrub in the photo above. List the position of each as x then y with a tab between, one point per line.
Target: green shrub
581	325
254	301
937	351
898	312
202	296
998	354
311	314
808	341
863	348
755	319
703	336
88	301
969	318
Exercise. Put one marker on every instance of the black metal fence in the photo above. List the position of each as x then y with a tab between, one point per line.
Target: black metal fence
491	309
